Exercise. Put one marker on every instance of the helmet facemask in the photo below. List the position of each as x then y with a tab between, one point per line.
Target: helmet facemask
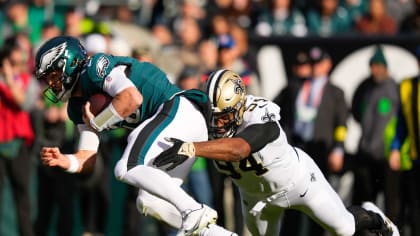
59	64
225	124
59	84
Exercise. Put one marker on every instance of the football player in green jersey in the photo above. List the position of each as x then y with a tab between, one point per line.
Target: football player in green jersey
143	100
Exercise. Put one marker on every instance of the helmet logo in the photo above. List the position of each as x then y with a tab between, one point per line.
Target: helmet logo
51	56
239	89
101	66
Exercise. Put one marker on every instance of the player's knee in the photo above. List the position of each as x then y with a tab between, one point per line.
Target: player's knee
346	225
346	229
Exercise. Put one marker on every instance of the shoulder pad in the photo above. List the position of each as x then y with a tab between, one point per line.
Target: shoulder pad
100	65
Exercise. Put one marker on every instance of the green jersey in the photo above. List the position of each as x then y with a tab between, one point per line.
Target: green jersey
149	80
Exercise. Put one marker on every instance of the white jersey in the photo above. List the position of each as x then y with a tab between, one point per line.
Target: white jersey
278	177
271	168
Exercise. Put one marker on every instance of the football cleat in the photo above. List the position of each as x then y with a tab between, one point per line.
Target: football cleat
214	229
194	221
388	228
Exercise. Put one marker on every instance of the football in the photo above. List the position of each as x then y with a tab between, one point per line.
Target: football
98	102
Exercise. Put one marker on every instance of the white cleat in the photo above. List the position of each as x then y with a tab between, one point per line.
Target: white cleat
215	230
390	228
194	221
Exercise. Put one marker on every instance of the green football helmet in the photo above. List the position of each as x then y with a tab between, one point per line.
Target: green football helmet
226	91
59	62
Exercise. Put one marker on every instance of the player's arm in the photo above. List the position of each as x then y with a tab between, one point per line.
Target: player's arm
126	100
224	149
82	161
250	140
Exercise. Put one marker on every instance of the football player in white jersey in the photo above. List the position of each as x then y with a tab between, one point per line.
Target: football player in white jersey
250	146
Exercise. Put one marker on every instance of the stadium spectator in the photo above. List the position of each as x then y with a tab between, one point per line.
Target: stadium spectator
189	36
301	70
16	132
328	19
411	23
376	21
230	57
243	13
407	131
400	9
355	8
208	58
73	19
281	18
374	104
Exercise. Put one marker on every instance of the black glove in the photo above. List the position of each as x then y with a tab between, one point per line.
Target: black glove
176	154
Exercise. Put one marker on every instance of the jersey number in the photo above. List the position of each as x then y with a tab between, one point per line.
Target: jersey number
248	164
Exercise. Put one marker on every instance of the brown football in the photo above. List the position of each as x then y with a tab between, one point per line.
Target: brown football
98	102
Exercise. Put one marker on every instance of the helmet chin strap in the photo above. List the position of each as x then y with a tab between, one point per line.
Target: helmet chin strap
65	96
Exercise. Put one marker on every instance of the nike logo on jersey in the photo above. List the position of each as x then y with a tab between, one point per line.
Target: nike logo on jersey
261	106
303	194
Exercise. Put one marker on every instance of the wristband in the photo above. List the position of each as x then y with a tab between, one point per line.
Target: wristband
74	163
187	149
104	120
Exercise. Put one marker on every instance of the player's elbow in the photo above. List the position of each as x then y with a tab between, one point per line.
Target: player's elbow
131	98
87	162
240	151
135	99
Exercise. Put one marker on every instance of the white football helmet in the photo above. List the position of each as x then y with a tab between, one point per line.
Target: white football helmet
226	92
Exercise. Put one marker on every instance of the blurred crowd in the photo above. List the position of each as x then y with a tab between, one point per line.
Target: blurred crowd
188	39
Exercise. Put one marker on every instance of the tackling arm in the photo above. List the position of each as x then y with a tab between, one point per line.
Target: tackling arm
252	139
225	149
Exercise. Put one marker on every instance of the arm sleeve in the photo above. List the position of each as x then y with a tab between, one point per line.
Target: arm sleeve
258	135
89	140
117	81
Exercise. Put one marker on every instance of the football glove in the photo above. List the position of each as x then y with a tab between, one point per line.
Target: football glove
176	154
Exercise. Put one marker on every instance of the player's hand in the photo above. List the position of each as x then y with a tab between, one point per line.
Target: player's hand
336	161
176	154
395	160
51	156
87	115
